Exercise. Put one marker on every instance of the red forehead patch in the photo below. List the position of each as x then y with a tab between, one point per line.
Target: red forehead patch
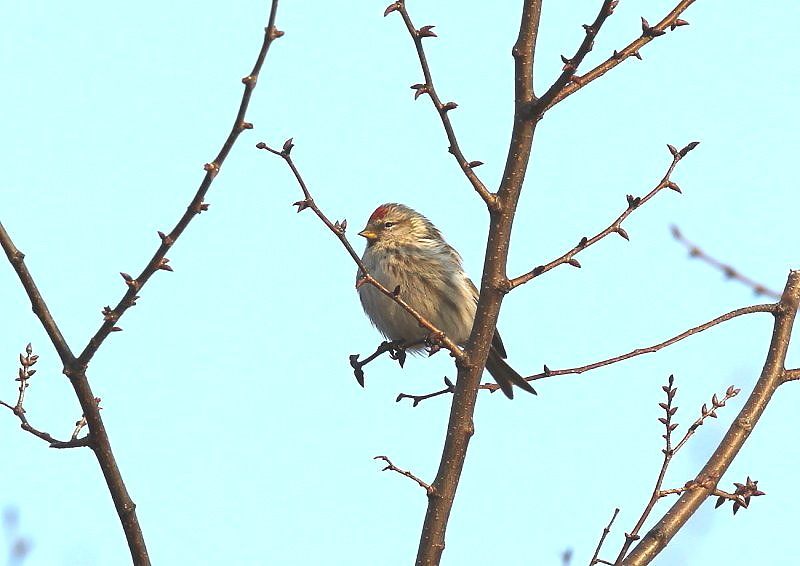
379	213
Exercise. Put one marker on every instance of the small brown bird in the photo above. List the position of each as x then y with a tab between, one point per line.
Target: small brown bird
405	249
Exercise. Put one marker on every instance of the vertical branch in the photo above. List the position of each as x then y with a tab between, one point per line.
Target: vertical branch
493	286
772	375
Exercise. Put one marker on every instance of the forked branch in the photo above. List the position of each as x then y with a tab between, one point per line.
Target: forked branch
704	485
75	367
649	33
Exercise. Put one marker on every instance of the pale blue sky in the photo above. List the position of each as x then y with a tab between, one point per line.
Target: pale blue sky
233	412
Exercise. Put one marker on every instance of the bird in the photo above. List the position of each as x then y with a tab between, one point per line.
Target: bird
405	250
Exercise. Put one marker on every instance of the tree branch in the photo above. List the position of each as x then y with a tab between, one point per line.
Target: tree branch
391	467
728	270
649	33
770	308
571	65
196	206
493	287
772	375
606	531
338	228
17	260
75	368
442	108
615	227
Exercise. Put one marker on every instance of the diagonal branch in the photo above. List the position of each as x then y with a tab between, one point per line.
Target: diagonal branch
392	468
772	375
442	108
729	271
606	531
614	227
17	260
649	33
338	228
770	308
571	65
196	206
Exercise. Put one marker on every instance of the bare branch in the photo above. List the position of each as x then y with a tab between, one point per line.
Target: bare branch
706	481
770	308
391	467
468	167
615	227
606	531
460	426
706	413
17	260
729	271
741	497
670	21
417	399
571	65
668	452
338	228
23	378
75	368
196	206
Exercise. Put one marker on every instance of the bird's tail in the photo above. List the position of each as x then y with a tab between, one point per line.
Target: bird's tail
506	376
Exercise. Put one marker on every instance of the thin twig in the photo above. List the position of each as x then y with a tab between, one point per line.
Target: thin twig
614	227
769	308
670	21
729	271
442	108
395	348
23	378
668	453
417	399
338	228
606	531
706	413
391	467
196	206
772	376
571	65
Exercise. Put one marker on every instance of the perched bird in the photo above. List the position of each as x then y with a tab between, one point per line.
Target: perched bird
405	249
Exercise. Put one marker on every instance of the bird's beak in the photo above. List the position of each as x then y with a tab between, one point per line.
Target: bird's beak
368	234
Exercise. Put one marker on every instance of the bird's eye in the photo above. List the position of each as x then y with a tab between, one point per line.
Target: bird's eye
389	224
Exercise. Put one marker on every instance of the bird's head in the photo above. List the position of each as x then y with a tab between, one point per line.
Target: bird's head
395	224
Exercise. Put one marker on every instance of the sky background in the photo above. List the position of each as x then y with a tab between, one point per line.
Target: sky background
233	413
